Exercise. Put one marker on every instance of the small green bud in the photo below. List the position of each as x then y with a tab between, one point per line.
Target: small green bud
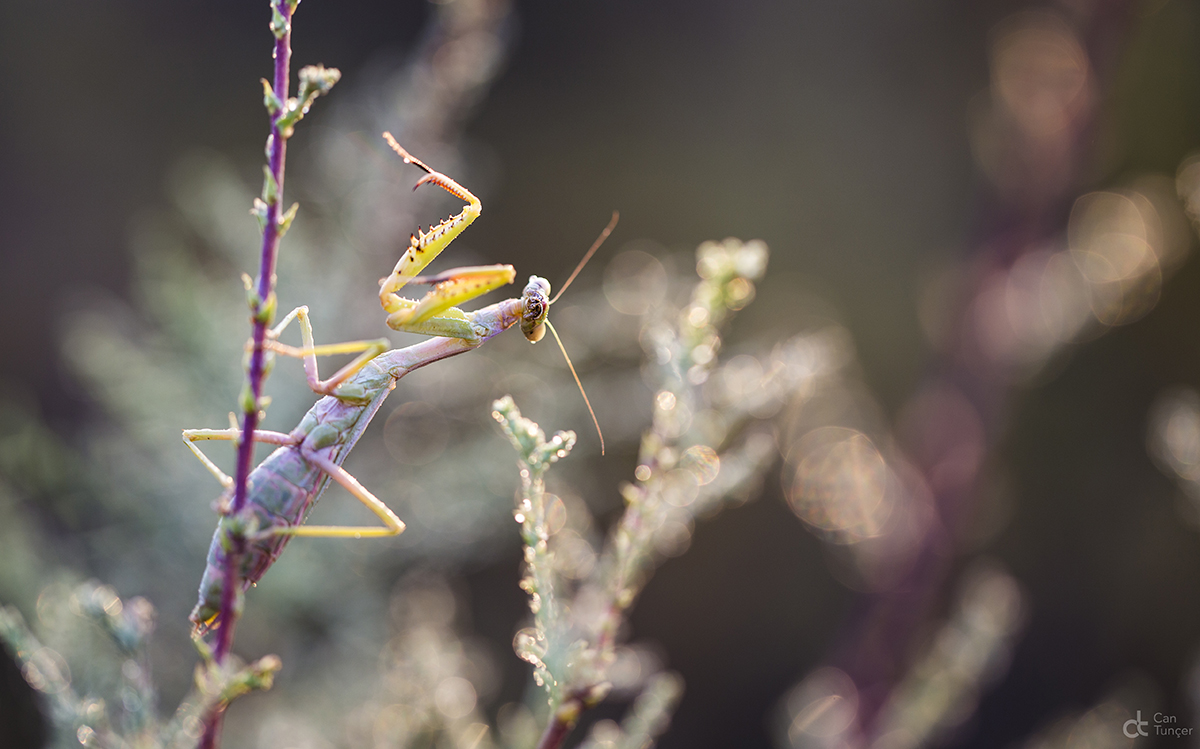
265	313
285	221
259	212
557	447
286	122
292	5
270	193
232	680
255	302
279	22
524	434
246	400
270	100
316	80
262	672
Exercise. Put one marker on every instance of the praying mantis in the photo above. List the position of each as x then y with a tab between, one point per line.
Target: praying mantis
283	488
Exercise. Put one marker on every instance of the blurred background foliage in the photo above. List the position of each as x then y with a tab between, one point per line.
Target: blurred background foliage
1008	564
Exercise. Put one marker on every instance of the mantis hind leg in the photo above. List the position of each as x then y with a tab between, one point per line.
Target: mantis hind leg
392	525
310	351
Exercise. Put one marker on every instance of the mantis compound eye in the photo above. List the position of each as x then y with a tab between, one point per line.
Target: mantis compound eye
535	308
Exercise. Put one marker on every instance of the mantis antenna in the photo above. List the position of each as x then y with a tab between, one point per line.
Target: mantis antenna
586	257
571	367
612	224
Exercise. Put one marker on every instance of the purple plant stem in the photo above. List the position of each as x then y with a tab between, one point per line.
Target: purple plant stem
561	723
266	284
878	649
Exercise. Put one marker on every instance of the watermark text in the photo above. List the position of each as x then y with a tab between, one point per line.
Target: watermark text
1161	724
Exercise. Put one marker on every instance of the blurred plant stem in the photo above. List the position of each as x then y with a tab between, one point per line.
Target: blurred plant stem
573	642
129	718
565	718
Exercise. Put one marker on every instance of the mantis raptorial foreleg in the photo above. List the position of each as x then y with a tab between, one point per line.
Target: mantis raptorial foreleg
425	246
435	313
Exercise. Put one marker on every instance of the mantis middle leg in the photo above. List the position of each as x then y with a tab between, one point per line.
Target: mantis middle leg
232	434
310	352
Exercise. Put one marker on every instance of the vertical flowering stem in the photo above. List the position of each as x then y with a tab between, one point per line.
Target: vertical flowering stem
543	644
284	112
262	306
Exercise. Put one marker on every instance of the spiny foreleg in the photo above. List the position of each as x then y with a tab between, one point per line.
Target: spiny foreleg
425	246
436	313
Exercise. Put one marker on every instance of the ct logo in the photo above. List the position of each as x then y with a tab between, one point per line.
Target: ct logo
1133	726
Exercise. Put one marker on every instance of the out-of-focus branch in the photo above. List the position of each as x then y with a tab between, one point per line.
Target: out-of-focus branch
1014	305
702	451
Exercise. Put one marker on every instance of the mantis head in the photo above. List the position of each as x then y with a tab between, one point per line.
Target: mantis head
535	307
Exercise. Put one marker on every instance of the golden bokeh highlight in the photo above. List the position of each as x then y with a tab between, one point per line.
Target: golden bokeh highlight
1120	246
1109	236
823	710
635	280
1040	72
840	484
1175	433
1023	128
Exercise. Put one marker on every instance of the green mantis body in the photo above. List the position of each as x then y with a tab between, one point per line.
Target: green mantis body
283	488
